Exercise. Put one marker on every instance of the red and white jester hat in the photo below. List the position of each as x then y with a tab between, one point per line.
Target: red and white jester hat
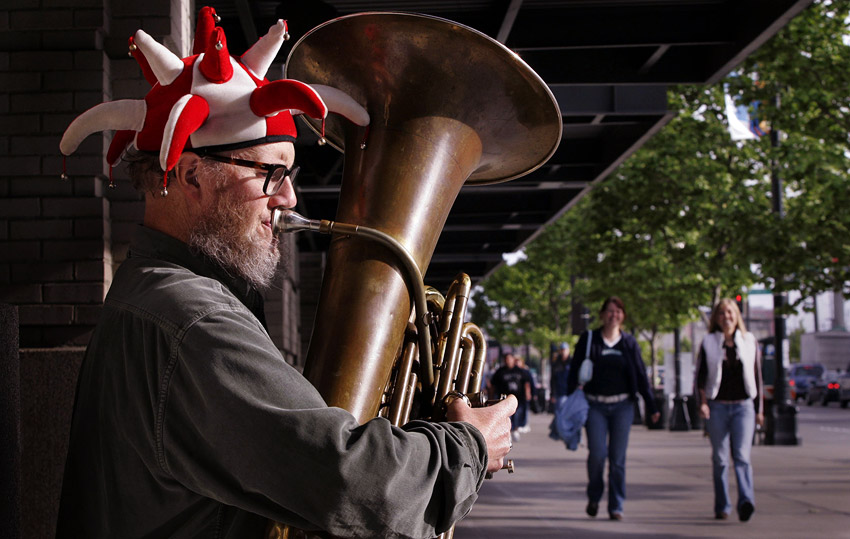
209	100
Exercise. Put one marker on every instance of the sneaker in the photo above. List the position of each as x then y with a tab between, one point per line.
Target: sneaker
745	511
722	515
592	508
515	435
616	515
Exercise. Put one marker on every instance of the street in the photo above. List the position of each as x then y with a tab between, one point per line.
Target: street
801	491
824	424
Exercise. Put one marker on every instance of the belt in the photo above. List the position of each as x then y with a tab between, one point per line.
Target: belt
608	399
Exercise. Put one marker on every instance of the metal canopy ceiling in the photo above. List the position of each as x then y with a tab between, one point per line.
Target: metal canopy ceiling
608	63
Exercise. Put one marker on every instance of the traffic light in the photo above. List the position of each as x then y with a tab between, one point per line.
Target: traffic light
739	299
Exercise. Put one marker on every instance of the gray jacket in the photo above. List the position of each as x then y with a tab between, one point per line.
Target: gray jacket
189	423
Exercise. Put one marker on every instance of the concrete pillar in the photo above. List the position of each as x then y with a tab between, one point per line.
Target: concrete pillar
838	310
10	424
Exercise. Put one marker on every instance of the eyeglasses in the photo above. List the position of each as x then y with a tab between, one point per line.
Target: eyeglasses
275	174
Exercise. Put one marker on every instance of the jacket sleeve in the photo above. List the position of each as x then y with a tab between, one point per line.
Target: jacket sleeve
758	402
575	363
701	375
640	376
241	426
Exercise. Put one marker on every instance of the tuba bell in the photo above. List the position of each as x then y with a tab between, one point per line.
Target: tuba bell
449	106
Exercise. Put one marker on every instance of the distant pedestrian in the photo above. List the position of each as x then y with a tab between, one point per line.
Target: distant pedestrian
619	375
558	375
570	412
532	406
511	379
729	386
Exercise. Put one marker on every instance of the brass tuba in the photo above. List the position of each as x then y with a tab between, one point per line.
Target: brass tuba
448	106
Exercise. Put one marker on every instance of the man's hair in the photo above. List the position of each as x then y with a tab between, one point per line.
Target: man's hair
146	173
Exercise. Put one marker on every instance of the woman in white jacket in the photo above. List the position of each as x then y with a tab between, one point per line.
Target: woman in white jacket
729	385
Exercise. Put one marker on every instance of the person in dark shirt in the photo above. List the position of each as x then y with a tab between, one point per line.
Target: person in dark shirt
558	374
618	375
511	379
729	386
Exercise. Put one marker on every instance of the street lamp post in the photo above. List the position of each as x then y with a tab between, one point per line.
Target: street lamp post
781	428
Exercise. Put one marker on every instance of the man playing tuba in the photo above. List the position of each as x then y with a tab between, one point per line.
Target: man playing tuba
187	421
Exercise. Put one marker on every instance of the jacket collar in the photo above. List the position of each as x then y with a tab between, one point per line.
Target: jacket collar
150	243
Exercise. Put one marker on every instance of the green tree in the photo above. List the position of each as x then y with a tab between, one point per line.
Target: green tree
526	302
794	343
666	233
799	81
681	223
669	231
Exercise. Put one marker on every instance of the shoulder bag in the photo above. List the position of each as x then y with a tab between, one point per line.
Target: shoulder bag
585	372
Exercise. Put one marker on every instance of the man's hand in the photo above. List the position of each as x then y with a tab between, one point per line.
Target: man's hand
704	411
760	420
655	417
493	422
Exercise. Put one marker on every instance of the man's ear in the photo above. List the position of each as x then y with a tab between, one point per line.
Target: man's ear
186	175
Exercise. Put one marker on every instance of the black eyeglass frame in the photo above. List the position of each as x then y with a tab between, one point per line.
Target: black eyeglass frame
270	169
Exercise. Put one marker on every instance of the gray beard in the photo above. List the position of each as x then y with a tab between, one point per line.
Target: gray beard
229	239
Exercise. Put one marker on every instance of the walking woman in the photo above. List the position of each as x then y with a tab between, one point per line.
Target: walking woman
729	385
618	376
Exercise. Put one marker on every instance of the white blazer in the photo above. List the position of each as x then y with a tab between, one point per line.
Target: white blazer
745	345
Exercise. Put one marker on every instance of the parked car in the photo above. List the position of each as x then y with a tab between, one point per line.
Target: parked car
802	375
825	389
844	388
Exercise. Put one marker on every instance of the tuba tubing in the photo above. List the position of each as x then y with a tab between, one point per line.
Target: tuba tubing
285	220
448	106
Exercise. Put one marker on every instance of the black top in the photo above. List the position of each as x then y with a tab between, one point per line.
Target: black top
511	382
558	382
731	377
634	370
610	374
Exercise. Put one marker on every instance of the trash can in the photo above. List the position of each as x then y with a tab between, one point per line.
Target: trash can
693	411
680	417
638	419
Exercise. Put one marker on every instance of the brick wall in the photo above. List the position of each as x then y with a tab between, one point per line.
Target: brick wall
55	263
63	239
60	241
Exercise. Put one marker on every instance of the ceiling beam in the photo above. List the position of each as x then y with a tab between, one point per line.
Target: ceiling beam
508	21
246	20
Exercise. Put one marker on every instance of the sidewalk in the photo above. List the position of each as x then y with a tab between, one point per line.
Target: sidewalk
801	491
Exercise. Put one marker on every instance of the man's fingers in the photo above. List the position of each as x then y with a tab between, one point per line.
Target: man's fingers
509	404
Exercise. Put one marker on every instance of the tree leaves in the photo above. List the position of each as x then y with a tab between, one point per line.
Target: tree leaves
689	218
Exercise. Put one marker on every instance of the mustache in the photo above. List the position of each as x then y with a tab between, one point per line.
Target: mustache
233	241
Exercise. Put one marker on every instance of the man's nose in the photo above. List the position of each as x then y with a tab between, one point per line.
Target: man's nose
285	196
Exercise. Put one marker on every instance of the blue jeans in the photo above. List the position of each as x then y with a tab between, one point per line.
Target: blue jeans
608	427
731	424
520	417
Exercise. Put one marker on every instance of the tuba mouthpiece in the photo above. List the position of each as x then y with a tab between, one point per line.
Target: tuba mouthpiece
284	220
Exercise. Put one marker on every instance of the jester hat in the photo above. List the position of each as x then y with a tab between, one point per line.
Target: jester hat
209	100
